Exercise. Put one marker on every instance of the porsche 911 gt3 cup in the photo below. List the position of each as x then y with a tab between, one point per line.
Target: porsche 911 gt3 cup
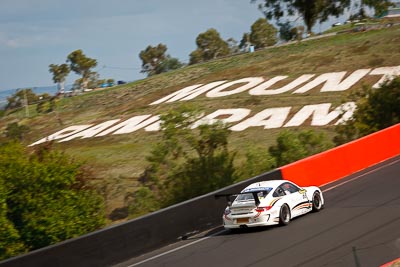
271	202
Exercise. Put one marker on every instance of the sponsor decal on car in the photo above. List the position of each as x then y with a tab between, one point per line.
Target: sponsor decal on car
302	205
274	201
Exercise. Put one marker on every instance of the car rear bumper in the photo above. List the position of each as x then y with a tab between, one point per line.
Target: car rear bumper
240	222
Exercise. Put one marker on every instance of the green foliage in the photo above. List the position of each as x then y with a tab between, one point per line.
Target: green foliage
90	82
287	32
141	202
60	73
20	98
81	65
93	80
233	46
209	46
186	163
169	64
316	10
376	109
245	41
262	34
196	56
14	131
10	240
152	57
47	196
293	146
46	105
380	6
177	132
156	61
310	11
258	161
209	169
380	109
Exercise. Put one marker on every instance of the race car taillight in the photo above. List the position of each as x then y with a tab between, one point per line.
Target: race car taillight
227	211
261	209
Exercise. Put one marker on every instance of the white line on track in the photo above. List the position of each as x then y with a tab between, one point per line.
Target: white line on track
176	249
220	232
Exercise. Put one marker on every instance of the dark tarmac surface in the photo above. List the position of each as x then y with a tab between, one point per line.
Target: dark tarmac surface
360	222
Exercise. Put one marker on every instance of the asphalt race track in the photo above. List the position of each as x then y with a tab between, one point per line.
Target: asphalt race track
360	223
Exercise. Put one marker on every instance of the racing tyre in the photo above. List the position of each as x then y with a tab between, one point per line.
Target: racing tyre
317	202
284	215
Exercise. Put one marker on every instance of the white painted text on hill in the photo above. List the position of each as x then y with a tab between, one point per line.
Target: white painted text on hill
270	118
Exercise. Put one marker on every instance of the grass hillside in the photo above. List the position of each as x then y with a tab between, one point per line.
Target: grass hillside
117	160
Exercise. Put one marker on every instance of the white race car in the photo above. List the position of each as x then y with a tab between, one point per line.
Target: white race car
271	202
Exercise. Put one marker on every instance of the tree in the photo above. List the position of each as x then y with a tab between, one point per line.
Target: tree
312	11
286	31
81	65
168	64
141	202
379	6
10	240
292	146
298	32
156	61
186	162
257	161
196	57
262	34
376	109
60	73
245	42
46	105
233	46
14	131
209	169
166	154
152	57
92	81
209	46
47	196
21	98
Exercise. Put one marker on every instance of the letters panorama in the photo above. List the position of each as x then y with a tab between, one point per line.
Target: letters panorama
242	118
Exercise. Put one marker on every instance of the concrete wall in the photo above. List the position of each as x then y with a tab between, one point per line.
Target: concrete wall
344	160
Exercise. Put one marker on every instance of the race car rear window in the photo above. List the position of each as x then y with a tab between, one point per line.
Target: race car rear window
261	193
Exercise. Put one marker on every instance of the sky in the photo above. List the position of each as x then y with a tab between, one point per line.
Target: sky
37	33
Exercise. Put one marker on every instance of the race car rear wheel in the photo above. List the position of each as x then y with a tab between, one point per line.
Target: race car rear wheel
284	215
317	202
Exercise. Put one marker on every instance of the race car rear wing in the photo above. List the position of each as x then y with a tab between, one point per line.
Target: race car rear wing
253	192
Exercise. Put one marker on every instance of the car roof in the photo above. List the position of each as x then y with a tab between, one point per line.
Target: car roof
270	183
